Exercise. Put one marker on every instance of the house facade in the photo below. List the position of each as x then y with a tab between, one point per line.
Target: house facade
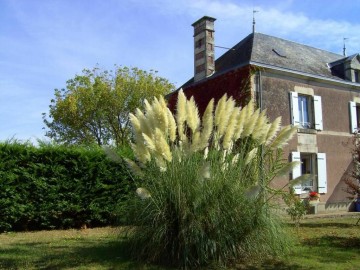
315	90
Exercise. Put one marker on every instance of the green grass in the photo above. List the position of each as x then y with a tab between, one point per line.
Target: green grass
322	244
100	248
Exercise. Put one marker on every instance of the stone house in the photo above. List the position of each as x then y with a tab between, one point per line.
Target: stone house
316	90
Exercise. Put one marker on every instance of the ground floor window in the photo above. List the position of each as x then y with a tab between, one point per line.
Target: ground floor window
308	166
313	164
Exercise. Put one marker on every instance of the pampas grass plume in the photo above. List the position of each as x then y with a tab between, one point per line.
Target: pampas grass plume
149	143
274	128
161	145
230	130
172	125
249	157
283	137
192	115
143	193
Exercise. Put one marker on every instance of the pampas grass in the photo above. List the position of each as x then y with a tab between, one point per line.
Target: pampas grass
203	186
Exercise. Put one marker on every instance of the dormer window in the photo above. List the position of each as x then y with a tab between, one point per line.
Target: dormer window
347	68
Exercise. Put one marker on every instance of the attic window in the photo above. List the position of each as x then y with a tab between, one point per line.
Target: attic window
279	52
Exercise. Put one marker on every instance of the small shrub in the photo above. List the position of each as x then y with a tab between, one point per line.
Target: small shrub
296	208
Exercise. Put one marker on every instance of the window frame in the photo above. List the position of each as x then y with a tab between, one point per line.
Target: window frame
318	161
314	111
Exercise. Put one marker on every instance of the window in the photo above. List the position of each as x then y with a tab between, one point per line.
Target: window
306	111
357	76
314	164
354	116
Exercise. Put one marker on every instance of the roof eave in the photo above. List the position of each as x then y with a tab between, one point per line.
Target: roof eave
319	77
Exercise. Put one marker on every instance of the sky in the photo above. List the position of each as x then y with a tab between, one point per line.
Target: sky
44	43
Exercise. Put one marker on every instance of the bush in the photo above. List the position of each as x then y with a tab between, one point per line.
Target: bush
204	188
296	208
50	187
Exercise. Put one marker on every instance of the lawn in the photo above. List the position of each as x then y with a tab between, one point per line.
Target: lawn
331	243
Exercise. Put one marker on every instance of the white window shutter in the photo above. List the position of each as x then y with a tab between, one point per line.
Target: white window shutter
353	117
296	172
322	176
294	108
318	113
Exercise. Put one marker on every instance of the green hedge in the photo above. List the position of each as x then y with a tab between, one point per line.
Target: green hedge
60	187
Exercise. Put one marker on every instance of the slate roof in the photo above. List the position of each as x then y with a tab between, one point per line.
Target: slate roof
263	50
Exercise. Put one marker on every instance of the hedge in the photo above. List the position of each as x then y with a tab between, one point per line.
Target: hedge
58	187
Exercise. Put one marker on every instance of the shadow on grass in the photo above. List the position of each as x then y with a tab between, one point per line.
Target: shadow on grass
335	242
326	225
86	254
272	265
336	250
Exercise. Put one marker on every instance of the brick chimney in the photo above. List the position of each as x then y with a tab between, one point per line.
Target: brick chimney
204	52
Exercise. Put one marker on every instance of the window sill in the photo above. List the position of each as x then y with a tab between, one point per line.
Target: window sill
307	130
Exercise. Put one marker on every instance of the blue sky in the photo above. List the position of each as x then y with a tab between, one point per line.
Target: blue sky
43	43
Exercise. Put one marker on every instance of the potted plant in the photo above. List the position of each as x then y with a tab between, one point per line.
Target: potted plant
314	196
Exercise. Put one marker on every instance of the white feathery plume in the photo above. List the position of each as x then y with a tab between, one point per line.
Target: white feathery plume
135	123
141	152
161	145
206	152
283	137
205	171
230	130
192	115
220	107
143	193
144	123
250	155
134	167
241	121
261	127
274	128
235	159
224	116
181	114
172	125
195	142
149	143
250	123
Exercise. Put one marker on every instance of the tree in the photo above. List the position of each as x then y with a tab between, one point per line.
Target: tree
353	180
94	107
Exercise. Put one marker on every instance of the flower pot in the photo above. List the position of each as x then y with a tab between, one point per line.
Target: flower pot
357	205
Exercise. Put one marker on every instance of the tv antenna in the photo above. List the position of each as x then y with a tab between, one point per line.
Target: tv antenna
254	11
344	48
